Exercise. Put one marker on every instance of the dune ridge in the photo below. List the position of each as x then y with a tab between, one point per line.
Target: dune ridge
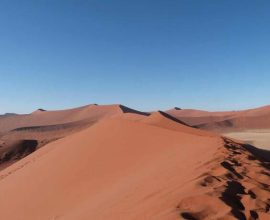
138	166
237	182
258	118
252	125
46	126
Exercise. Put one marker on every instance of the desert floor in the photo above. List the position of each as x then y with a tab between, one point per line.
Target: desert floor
258	138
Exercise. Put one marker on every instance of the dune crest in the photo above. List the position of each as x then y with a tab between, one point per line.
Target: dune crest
124	169
47	126
258	118
235	189
114	162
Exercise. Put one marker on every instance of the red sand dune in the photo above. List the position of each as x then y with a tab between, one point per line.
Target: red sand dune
46	126
164	120
138	168
258	118
43	118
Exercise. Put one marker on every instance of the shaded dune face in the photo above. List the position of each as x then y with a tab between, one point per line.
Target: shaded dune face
139	167
129	110
15	150
19	149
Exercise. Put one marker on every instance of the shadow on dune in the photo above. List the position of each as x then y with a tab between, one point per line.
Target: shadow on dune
19	150
188	216
259	154
234	188
172	118
55	127
129	110
218	125
231	196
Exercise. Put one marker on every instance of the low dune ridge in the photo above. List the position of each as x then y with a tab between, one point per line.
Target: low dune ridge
138	166
178	112
164	120
195	117
239	123
251	126
258	118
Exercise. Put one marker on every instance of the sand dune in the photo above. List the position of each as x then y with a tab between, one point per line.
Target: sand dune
164	120
47	126
251	126
140	167
42	118
258	118
239	123
196	117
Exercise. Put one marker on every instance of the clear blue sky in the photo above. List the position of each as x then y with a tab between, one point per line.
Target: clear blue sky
145	54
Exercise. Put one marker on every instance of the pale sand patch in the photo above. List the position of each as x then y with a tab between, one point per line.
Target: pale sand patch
259	138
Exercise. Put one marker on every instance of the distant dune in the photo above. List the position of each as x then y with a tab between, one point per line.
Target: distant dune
258	118
113	162
252	125
257	137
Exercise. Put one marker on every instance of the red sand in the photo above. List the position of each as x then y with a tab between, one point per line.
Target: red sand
258	118
137	167
46	126
42	118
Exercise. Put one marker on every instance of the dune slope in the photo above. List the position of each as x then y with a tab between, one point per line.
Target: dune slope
125	169
258	118
44	127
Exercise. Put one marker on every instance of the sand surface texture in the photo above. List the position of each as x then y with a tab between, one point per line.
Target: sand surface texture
132	165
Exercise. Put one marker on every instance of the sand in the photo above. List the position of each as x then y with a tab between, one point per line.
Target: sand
136	166
251	126
259	138
47	126
258	118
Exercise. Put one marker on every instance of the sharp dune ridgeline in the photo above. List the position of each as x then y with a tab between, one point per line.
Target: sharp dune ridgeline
47	126
112	162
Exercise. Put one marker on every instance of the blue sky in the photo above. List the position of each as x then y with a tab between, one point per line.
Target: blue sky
146	54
